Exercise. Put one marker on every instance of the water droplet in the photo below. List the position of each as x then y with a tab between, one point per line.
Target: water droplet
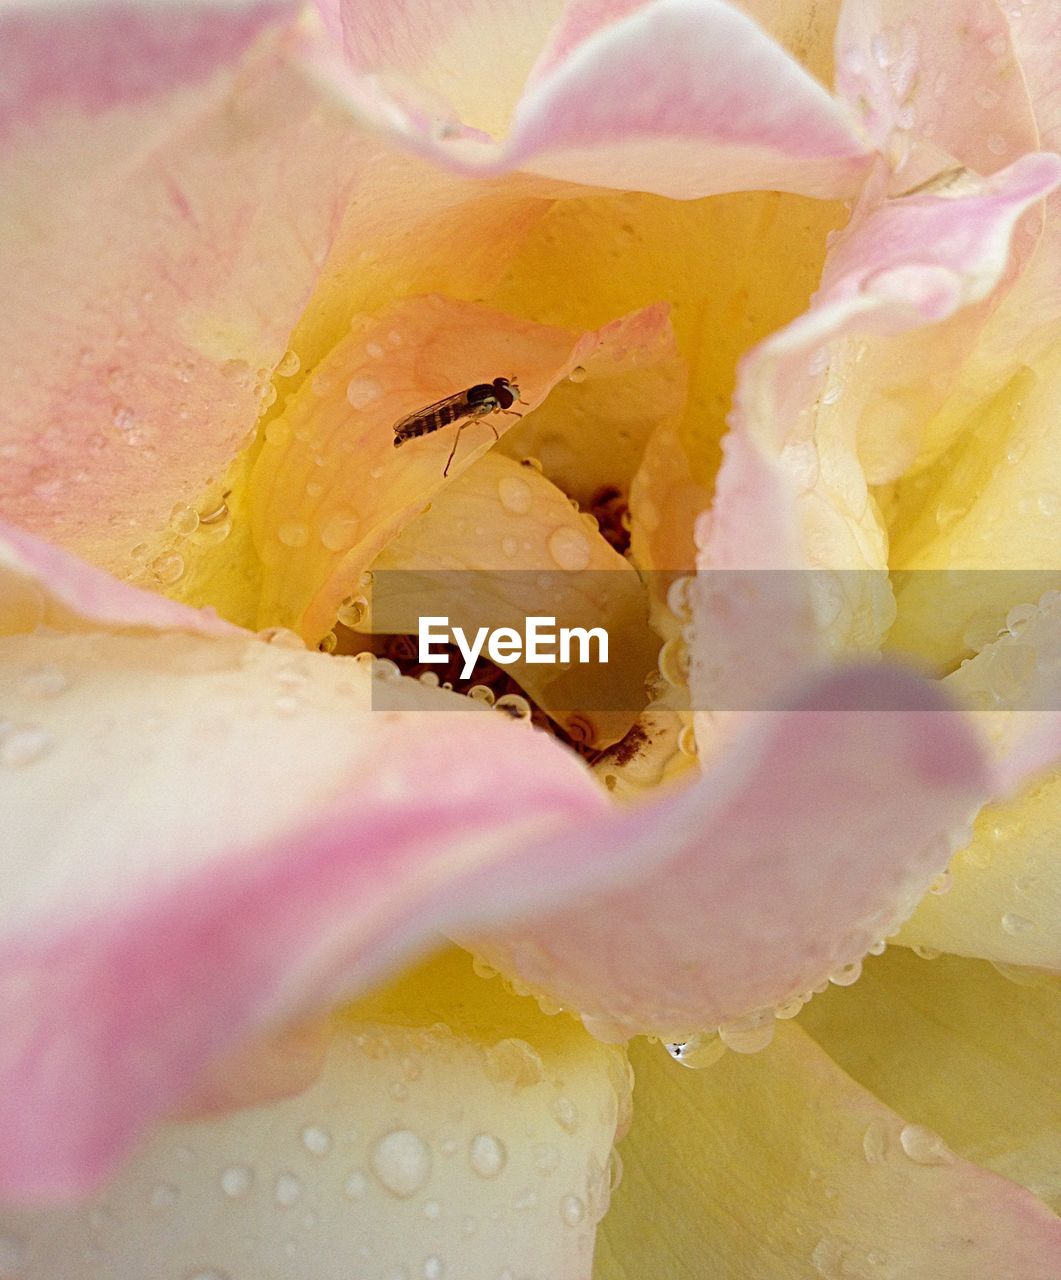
572	1210
432	1210
512	704
875	1142
996	144
289	364
926	953
487	1155
183	520
986	97
328	642
316	1140
362	391
352	611
847	975
355	1186
750	1033
687	741
42	682
923	1146
566	1114
384	669
1016	925
433	1268
281	637
20	747
482	693
163	1196
402	1162
293	533
514	495
237	1180
168	568
569	548
943	883
288	1189
577	374
339	531
1048	503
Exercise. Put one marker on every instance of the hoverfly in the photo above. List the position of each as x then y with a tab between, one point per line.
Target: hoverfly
476	402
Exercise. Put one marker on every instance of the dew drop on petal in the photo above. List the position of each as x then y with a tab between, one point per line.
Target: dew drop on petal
569	548
288	1190
487	1155
514	705
293	534
362	391
289	364
748	1034
572	1210
514	495
183	520
566	1114
1015	925
236	1180
433	1268
401	1161
168	568
923	1146
316	1140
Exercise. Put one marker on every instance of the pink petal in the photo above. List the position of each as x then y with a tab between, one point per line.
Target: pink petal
792	457
146	937
717	910
81	598
676	97
938	84
158	247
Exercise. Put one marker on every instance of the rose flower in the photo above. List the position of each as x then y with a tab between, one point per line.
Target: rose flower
319	962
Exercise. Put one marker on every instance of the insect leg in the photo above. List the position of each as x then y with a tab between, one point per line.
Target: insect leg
456	438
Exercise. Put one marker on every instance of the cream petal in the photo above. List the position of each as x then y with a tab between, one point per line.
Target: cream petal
783	1168
450	1134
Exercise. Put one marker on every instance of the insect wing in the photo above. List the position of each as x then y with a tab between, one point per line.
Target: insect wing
421	422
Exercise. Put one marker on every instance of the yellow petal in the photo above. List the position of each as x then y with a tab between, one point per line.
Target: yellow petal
455	1130
953	1045
501	544
778	1166
1004	897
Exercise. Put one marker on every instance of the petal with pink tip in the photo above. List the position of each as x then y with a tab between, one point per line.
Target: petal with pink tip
683	98
861	800
330	489
805	398
934	85
499	1111
158	247
147	938
78	597
832	1182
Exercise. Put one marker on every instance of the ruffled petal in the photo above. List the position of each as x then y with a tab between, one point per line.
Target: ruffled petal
782	1168
43	586
329	490
808	400
453	1130
861	800
683	98
992	1044
147	938
148	934
158	248
934	85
